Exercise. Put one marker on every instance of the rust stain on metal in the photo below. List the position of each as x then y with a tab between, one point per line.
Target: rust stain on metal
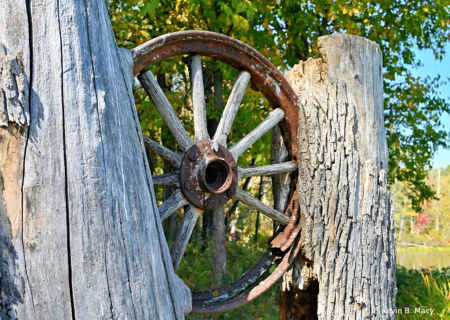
264	75
284	246
208	175
227	304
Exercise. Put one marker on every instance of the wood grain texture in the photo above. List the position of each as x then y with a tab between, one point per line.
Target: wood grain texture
184	234
92	245
46	235
174	158
167	180
347	219
175	202
198	99
273	169
251	201
233	103
245	143
281	183
15	293
162	104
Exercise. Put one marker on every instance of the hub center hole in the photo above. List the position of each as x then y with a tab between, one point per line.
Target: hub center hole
216	175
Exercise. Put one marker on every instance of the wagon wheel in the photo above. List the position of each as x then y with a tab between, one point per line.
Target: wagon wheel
207	173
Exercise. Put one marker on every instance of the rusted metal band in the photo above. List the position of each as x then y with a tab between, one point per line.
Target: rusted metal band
198	307
241	284
264	75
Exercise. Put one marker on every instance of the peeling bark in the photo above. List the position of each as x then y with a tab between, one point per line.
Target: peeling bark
14	87
347	218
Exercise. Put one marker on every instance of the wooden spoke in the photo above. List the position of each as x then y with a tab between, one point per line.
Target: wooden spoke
233	103
251	201
269	170
198	99
175	202
184	234
164	108
172	157
276	116
167	180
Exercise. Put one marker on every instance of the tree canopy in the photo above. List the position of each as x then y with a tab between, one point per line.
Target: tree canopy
286	32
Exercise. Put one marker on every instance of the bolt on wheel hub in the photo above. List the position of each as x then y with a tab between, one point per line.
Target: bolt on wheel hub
208	175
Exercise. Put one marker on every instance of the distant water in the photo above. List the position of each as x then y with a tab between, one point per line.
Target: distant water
424	259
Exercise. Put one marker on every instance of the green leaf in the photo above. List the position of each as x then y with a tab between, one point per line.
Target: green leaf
145	8
241	7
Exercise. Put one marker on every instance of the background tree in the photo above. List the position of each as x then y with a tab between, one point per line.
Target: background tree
287	31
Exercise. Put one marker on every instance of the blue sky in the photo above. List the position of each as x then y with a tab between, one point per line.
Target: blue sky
433	68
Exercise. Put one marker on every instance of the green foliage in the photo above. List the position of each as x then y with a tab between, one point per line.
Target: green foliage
287	31
195	270
412	105
426	289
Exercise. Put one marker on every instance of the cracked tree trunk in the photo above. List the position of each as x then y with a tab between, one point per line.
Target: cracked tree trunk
348	234
80	234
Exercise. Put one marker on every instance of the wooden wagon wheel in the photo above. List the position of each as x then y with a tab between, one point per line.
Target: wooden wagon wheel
207	173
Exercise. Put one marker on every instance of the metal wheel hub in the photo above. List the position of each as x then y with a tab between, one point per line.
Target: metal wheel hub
208	175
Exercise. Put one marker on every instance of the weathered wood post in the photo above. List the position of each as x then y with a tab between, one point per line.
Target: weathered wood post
348	234
80	233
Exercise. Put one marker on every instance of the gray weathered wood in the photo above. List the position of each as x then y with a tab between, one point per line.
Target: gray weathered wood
14	47
233	103
167	180
165	110
174	158
184	234
175	202
268	170
83	223
45	207
281	183
275	116
347	219
251	201
198	99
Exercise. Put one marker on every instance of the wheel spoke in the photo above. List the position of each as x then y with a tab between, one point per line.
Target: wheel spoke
269	170
167	180
175	202
198	99
184	234
174	158
251	201
276	116
164	108
233	103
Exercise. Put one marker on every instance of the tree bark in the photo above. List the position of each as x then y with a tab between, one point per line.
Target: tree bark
218	215
348	233
79	225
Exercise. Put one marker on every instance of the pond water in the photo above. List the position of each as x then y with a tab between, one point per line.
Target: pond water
423	259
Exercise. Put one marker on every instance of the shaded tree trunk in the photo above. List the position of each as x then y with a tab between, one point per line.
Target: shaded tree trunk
348	233
260	193
80	232
218	215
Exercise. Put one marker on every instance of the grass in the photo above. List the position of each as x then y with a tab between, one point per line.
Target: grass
195	270
407	249
424	289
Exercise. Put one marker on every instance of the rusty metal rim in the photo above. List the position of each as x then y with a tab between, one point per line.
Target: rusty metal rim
223	306
241	284
264	75
266	78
